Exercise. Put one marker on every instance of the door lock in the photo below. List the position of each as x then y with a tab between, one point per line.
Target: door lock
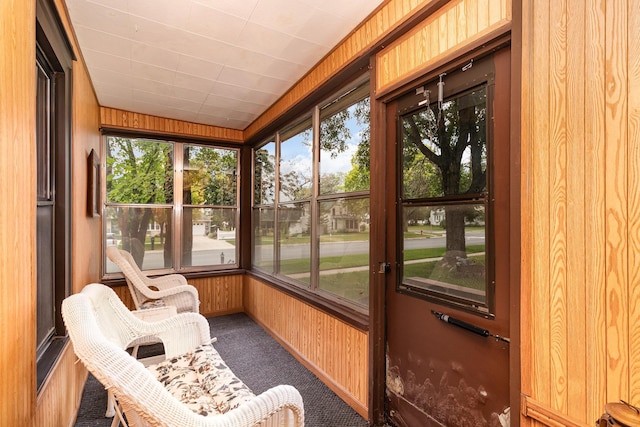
384	268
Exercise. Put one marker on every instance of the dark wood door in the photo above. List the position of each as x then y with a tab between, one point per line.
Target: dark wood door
447	299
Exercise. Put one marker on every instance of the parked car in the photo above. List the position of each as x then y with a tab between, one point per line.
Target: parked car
111	240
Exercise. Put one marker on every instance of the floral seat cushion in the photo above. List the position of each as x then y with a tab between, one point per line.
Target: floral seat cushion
201	380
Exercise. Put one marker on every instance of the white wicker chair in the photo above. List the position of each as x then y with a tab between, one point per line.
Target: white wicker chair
172	289
101	327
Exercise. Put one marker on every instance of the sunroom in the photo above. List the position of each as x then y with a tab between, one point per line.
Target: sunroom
430	204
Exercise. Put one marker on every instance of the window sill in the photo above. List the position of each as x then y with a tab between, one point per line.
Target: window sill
356	318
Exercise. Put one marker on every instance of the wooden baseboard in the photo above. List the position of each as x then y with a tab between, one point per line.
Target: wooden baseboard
535	410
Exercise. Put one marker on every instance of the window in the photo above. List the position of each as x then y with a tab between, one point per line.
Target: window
311	200
53	63
173	205
444	195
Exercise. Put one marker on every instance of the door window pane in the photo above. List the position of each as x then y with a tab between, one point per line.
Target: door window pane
444	193
446	259
444	151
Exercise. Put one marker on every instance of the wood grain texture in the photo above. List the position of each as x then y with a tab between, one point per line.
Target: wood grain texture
538	300
580	204
18	215
633	132
558	205
114	118
616	251
335	351
56	408
541	415
454	26
219	295
577	252
87	261
595	230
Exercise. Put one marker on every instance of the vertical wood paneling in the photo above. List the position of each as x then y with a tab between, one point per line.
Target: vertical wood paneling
87	261
455	25
335	351
558	205
595	230
127	120
581	208
616	199
538	303
634	199
17	215
56	408
576	232
219	295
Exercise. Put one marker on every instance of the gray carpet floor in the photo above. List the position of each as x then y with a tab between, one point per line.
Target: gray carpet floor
261	363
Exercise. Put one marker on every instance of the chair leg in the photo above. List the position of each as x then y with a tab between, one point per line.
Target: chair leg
119	416
111	405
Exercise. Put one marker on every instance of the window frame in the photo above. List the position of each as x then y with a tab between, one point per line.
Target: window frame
480	75
357	313
176	207
53	46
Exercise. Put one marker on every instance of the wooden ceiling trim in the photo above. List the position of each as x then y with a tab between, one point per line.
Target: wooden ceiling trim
113	118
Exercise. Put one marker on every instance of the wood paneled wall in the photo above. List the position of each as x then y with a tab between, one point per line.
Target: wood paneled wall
379	24
54	408
580	141
17	215
335	351
58	405
126	120
456	25
219	295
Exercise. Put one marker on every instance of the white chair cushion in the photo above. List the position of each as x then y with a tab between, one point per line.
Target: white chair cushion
201	380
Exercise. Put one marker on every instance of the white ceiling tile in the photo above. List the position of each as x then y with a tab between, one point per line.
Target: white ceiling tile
214	24
199	67
252	81
257	38
152	72
154	55
103	42
219	62
241	9
168	12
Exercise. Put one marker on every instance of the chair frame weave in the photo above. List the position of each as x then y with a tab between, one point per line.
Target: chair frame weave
101	328
173	289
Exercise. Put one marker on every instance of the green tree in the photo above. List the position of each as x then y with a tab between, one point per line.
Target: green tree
139	171
447	141
264	176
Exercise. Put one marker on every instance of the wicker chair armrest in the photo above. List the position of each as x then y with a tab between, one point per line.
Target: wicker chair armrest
179	333
278	399
161	293
167	281
264	405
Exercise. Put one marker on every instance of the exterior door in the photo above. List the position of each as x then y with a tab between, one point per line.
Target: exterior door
447	302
